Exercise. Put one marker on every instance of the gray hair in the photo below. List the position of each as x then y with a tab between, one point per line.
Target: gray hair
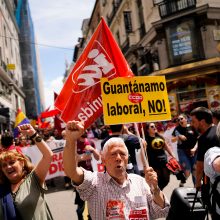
113	141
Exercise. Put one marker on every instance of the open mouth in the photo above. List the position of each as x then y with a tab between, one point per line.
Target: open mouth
119	167
10	172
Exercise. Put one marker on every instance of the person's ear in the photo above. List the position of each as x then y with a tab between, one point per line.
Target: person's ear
22	163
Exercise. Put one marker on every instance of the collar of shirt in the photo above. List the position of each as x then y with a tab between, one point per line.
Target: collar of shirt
111	179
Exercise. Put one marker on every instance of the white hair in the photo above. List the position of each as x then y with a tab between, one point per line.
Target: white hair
114	141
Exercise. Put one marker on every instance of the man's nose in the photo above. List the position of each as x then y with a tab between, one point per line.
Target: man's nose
118	156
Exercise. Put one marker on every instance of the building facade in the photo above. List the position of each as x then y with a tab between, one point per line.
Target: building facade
32	78
11	94
179	39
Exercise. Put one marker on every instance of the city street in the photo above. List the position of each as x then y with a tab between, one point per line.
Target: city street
152	68
61	201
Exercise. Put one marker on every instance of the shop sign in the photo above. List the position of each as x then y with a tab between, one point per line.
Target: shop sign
216	34
11	66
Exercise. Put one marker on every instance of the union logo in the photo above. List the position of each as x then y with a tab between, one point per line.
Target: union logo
97	65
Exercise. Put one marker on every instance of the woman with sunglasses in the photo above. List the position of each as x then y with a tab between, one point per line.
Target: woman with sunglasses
21	184
186	138
156	147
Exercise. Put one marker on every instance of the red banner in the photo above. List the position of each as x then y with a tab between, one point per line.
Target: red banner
80	98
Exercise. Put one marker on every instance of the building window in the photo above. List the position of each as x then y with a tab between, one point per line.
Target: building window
156	2
141	18
127	21
5	36
183	42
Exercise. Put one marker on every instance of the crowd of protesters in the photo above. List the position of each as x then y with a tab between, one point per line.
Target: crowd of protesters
186	138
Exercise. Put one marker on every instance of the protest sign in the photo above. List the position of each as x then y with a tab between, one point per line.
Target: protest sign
136	99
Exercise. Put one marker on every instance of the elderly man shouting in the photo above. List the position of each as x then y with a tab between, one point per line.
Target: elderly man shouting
113	194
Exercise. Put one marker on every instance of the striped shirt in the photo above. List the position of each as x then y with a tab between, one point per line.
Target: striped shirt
109	200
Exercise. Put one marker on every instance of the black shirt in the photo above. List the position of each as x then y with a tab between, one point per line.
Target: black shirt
207	140
189	133
155	151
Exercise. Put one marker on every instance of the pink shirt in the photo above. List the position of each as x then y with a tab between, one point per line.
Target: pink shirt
109	200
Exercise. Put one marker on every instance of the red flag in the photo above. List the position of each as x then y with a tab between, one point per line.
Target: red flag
57	121
42	124
50	113
45	124
39	122
80	98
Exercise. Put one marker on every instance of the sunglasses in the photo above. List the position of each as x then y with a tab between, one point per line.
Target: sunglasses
180	119
152	126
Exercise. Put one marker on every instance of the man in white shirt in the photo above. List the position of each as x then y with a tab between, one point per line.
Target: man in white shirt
114	193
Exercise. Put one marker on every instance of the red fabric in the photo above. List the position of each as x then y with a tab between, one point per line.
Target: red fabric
45	124
57	120
50	113
81	144
39	121
173	165
101	167
12	147
80	98
42	124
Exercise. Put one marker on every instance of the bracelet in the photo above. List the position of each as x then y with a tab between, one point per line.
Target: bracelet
33	136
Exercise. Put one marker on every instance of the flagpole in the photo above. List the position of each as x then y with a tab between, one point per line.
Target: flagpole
144	155
142	131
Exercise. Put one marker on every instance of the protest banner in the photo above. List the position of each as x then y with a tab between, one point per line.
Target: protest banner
56	166
136	99
80	98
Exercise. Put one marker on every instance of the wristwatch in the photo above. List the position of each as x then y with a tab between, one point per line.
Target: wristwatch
38	138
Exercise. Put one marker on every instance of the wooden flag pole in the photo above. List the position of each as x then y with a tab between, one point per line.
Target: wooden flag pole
143	155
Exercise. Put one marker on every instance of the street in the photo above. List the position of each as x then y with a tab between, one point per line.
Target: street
61	201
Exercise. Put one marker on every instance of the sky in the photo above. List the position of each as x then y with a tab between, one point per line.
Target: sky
57	24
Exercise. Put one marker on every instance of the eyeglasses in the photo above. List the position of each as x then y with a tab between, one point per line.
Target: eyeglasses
180	119
152	126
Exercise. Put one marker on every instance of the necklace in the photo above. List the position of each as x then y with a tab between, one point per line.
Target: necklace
13	194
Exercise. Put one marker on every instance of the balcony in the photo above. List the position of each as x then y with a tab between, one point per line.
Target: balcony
115	5
170	7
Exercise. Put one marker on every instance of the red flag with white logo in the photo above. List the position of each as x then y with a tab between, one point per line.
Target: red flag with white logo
80	98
